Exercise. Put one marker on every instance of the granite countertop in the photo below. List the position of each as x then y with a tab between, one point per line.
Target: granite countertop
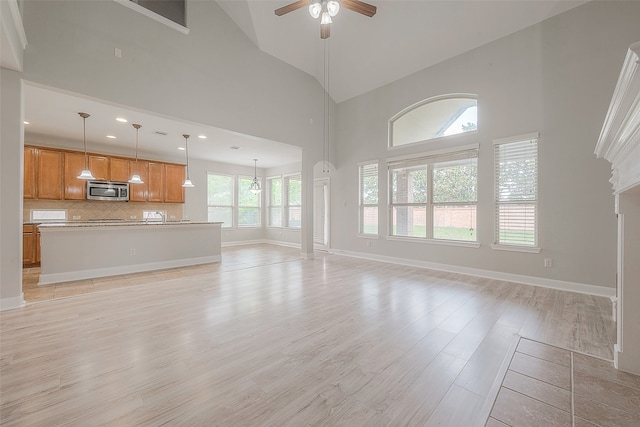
74	224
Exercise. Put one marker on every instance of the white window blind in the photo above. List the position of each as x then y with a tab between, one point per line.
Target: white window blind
516	192
368	185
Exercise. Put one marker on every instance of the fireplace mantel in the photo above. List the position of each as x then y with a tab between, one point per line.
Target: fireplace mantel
619	143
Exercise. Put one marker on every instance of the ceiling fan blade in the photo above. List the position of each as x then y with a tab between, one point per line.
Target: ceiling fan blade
359	6
291	7
324	31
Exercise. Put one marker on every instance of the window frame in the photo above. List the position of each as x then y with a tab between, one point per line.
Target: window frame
233	224
286	201
269	186
433	99
239	206
497	245
428	160
361	205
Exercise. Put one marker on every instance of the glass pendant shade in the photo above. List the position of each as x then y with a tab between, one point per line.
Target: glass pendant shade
255	185
135	178
315	9
86	173
187	182
333	7
326	18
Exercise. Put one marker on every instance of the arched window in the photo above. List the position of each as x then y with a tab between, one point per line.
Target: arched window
435	117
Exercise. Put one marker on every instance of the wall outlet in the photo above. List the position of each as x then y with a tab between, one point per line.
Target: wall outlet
117	52
132	217
548	263
76	217
172	216
132	251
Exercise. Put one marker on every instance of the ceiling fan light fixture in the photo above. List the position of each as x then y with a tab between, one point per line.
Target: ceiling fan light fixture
326	18
333	7
314	9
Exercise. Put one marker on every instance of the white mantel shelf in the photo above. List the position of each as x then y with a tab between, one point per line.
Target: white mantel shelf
85	250
619	140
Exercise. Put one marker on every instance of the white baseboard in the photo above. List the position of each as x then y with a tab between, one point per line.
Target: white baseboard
12	303
46	279
261	241
581	288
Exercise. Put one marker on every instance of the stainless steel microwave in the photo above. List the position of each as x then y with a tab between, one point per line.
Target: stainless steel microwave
112	191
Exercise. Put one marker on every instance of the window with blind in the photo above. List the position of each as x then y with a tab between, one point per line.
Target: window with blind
368	198
435	196
293	202
516	190
275	201
220	199
248	204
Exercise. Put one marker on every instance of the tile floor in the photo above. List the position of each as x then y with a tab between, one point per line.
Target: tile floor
550	386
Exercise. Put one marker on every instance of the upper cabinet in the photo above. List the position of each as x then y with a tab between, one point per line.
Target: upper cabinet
74	188
29	172
119	169
156	182
174	177
99	167
49	174
53	174
139	192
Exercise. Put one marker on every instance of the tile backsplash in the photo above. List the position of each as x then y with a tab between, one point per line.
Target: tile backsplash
80	210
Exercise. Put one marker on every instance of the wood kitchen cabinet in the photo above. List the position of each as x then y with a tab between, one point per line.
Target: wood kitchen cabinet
30	172
99	167
29	244
138	192
49	174
174	178
119	169
74	188
156	182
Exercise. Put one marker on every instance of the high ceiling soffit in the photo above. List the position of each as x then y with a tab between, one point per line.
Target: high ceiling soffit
402	38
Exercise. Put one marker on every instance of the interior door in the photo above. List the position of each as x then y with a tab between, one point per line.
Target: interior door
321	214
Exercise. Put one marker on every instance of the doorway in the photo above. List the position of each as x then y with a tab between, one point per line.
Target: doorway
321	214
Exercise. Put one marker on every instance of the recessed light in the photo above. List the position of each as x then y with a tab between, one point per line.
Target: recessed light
122	119
111	137
26	122
202	136
181	148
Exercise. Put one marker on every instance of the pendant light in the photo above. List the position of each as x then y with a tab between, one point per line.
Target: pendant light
86	173
135	178
187	182
255	185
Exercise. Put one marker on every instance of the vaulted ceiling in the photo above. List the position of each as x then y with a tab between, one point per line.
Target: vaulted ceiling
402	38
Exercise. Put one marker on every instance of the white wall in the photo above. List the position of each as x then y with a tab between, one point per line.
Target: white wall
214	75
555	78
11	189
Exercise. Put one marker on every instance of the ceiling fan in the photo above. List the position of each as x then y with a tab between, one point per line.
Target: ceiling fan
326	9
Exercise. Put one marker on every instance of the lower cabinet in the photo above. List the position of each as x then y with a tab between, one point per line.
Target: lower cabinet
30	244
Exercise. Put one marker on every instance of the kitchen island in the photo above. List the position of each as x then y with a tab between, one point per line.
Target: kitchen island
86	250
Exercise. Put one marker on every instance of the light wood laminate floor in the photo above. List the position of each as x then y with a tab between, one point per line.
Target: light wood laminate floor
266	338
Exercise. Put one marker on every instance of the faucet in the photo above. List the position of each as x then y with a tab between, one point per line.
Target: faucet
162	216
